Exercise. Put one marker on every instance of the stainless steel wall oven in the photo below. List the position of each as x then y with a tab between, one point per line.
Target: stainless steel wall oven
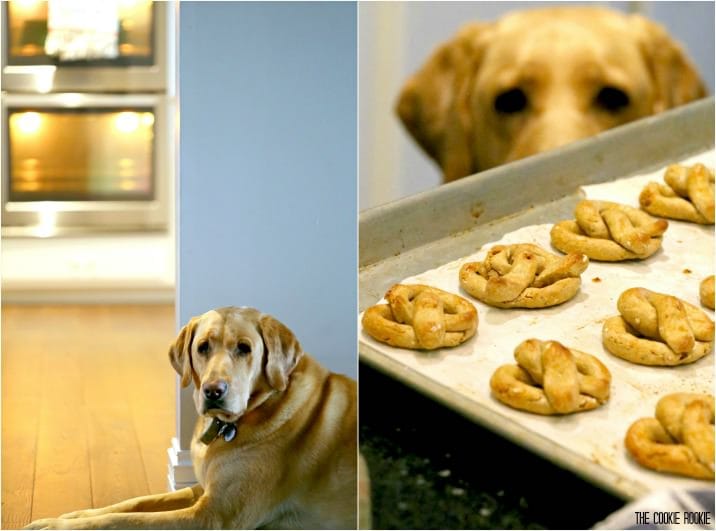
76	161
139	65
86	138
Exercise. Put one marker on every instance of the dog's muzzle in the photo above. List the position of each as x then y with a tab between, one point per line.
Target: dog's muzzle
214	394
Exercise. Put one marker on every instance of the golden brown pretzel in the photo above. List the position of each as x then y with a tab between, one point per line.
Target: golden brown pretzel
609	232
523	276
657	329
551	379
706	292
421	317
687	195
680	439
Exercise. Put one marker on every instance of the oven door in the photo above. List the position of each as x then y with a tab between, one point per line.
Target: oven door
138	66
77	162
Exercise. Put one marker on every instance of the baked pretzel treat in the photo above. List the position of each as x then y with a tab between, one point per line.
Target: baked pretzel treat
523	276
609	232
551	379
706	292
680	440
421	317
687	195
657	329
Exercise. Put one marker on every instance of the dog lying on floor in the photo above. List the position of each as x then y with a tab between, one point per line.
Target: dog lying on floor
537	79
275	445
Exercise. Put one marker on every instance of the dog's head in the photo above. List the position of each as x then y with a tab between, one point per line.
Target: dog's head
538	79
231	355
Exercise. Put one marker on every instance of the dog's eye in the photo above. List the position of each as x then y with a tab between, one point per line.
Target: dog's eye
511	101
243	348
612	99
203	347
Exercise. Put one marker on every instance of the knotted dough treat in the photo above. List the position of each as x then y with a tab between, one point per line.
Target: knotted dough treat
687	195
421	317
657	329
706	292
680	439
523	276
609	232
551	379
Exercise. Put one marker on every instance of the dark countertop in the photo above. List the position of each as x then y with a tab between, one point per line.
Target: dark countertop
431	468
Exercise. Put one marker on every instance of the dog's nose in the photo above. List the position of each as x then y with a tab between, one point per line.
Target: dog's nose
215	390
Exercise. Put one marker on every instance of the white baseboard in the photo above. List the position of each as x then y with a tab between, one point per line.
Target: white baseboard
181	471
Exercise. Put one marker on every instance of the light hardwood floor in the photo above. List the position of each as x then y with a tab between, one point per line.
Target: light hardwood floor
88	406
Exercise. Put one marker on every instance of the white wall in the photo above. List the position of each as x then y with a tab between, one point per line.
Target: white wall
95	269
395	38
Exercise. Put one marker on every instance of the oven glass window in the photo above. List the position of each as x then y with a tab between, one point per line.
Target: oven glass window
31	40
81	154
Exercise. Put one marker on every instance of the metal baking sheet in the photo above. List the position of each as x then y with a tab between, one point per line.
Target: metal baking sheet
429	230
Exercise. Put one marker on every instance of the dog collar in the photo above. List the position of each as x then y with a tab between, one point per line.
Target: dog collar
219	428
227	430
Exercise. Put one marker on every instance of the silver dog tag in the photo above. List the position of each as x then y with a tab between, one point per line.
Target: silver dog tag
228	431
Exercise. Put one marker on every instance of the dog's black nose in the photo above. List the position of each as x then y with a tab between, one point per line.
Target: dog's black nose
214	391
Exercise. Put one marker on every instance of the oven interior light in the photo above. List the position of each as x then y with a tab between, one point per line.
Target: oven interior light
28	186
147	119
127	122
127	185
29	123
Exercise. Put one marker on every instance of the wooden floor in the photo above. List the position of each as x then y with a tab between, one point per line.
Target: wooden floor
88	406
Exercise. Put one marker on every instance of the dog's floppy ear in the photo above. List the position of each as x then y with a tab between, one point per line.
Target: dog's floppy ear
180	353
434	103
283	351
676	80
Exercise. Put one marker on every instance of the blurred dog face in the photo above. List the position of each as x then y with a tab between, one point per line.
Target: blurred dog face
536	80
234	356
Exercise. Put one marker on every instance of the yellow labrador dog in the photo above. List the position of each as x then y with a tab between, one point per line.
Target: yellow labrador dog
275	445
538	79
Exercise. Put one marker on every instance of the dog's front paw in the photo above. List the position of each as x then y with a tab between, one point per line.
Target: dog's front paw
78	514
45	523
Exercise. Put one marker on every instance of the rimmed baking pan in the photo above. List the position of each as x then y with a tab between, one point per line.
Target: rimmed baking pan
431	229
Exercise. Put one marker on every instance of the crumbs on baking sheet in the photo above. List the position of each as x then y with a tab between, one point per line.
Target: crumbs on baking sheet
687	271
477	210
596	279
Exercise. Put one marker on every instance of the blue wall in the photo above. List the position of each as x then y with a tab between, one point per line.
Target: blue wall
267	169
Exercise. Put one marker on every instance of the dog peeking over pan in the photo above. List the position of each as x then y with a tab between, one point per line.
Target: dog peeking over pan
275	445
537	79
